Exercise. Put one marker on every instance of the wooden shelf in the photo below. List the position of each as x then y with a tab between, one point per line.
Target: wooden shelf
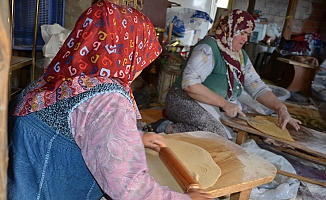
18	62
15	91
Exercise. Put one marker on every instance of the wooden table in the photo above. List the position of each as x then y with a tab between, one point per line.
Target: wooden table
241	170
308	143
304	75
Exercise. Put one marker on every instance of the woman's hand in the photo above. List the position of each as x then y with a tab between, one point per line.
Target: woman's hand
231	109
269	100
153	141
285	118
199	194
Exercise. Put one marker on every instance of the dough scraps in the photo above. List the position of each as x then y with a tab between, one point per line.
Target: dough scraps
196	159
268	125
309	116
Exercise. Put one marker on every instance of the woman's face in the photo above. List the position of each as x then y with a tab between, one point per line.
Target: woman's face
240	39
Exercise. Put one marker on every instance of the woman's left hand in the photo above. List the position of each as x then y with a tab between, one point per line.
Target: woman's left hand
285	118
153	141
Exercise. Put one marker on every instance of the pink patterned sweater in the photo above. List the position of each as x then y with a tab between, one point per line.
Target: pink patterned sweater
104	127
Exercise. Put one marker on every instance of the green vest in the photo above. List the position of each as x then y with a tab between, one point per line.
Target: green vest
217	81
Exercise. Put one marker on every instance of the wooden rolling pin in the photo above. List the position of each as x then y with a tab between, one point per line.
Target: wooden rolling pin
177	169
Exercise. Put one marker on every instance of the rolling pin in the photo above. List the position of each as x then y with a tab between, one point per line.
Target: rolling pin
177	169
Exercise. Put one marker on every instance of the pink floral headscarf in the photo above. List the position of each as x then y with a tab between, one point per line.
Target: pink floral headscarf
230	24
109	43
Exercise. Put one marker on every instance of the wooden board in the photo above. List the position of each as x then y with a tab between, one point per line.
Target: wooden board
150	115
241	170
293	62
307	140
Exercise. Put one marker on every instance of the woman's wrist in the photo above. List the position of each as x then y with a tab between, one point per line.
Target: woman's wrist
221	103
282	108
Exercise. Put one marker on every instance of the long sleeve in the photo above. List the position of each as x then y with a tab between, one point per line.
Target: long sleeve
253	84
104	127
199	66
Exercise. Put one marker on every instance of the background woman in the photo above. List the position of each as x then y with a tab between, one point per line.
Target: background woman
216	72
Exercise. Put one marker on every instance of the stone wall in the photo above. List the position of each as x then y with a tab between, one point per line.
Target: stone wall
74	8
310	14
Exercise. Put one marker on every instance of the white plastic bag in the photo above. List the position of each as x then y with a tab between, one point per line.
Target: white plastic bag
53	36
187	19
282	187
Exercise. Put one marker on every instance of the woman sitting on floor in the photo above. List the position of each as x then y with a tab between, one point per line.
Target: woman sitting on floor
216	72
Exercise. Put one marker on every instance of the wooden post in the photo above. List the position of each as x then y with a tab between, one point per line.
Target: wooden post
241	137
5	59
251	7
242	195
289	18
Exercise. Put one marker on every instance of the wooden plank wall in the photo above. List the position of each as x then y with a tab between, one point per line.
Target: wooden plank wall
5	57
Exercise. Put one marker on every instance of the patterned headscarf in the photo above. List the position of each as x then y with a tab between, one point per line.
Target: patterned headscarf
109	43
230	24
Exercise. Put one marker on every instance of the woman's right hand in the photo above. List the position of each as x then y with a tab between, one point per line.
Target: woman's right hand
199	194
231	109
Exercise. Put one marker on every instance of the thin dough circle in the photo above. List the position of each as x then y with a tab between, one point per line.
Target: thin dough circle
268	125
197	160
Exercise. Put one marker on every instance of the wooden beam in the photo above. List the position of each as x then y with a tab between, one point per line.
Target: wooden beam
5	57
314	159
289	18
301	178
251	7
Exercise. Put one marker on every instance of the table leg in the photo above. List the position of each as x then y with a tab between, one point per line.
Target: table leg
241	137
254	137
242	195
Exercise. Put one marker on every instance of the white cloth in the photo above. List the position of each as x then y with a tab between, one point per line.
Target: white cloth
54	36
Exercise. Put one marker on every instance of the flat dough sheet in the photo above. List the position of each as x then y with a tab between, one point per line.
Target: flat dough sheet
268	125
196	159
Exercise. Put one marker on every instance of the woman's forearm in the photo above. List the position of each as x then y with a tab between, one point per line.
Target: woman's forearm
269	100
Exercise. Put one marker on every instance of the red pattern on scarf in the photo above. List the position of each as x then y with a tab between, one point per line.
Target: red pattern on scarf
108	42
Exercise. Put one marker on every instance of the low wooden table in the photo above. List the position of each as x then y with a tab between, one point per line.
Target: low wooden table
308	143
304	75
241	170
